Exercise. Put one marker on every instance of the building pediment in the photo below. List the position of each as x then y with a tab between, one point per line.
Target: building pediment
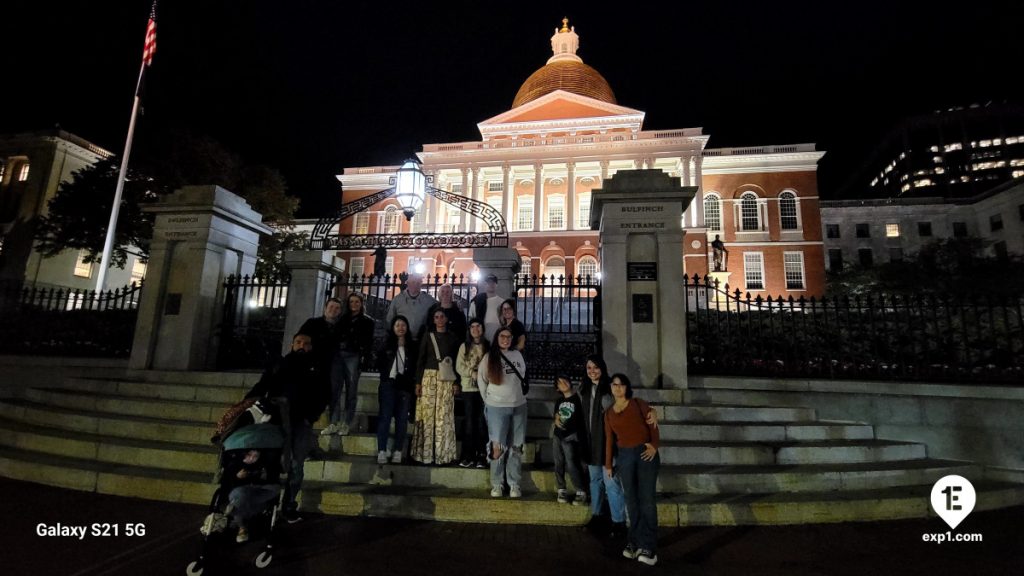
561	109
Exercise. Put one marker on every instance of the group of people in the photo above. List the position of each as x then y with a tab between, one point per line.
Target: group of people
432	355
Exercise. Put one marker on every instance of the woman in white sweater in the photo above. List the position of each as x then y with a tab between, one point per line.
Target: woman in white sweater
500	379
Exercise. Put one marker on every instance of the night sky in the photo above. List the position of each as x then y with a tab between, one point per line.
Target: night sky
312	87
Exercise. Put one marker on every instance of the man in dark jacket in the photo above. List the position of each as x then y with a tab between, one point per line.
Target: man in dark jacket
296	377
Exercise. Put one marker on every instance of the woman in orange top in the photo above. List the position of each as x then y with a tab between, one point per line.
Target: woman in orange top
627	430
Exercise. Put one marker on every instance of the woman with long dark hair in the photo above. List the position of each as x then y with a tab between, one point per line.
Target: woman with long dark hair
507	315
627	430
471	353
596	393
396	363
501	381
433	437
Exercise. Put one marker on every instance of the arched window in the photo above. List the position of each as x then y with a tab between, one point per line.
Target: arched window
391	220
554	266
713	212
788	213
750	214
586	268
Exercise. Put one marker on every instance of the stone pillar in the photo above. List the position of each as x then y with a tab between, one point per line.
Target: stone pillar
202	235
604	172
503	263
311	272
538	195
643	331
570	196
475	194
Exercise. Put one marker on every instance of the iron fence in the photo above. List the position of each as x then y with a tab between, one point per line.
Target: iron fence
252	323
57	320
562	316
879	337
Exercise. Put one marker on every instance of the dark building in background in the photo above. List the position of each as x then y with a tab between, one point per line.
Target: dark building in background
954	153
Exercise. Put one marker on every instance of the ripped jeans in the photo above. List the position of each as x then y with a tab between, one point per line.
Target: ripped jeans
506	427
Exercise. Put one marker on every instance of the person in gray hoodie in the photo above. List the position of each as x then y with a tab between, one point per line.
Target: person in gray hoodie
502	386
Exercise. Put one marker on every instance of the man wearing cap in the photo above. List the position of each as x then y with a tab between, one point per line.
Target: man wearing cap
486	306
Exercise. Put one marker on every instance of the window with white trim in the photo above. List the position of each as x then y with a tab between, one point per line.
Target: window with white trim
356	266
750	212
556	212
788	213
554	268
524	215
456	188
362	223
494	202
753	270
713	212
23	174
391	220
496	186
793	266
892	230
83	269
452	218
139	271
583	215
587	267
525	263
389	266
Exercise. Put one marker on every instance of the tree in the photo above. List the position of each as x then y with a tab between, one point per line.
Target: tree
79	212
953	267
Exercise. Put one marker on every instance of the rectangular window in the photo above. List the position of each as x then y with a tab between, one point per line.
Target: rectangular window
924	229
525	264
995	222
556	212
793	265
456	188
835	260
863	231
832	230
83	269
138	271
452	216
959	229
866	257
362	223
23	175
495	186
357	265
524	217
494	202
753	270
389	265
895	254
892	230
583	221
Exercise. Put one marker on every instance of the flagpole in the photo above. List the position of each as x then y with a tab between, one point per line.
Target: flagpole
108	244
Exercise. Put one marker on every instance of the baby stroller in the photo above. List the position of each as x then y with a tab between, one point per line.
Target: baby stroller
254	461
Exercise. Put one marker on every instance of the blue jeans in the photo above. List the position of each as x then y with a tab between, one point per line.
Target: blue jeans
640	484
565	457
302	443
601	485
506	427
394	403
344	374
249	500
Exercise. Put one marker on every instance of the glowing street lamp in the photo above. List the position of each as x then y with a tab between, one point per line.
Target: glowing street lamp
410	187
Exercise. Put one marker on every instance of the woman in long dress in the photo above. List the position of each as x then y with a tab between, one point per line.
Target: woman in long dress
433	437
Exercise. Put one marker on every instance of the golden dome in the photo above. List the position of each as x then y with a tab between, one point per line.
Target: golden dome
568	75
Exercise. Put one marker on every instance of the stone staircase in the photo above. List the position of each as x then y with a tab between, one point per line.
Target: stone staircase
146	434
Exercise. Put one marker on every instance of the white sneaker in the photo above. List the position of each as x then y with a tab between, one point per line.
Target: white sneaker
496	492
563	497
515	492
646	556
581	498
343	429
396	457
382	457
331	429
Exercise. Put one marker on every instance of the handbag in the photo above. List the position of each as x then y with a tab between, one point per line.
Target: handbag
445	370
522	379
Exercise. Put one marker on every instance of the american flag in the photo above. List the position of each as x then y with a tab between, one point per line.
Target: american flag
150	46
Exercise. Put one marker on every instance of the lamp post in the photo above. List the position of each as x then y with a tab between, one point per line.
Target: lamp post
410	187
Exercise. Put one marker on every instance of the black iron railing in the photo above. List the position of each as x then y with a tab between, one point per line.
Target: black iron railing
881	337
55	320
252	323
562	316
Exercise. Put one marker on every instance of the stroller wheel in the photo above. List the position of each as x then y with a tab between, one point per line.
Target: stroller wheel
264	559
194	568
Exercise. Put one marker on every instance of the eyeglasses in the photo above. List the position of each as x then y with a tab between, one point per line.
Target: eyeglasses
505	336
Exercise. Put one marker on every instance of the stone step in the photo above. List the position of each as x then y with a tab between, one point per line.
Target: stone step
735	413
764	431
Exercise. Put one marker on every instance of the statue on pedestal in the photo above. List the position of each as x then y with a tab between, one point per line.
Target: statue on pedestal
719	253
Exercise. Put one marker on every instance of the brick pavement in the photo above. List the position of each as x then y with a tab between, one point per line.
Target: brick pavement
326	545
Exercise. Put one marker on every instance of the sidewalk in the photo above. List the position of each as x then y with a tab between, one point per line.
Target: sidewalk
329	545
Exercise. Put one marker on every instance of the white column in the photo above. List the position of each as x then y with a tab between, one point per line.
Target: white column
604	172
465	188
693	165
685	161
435	207
474	225
506	195
538	195
570	196
638	163
698	180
